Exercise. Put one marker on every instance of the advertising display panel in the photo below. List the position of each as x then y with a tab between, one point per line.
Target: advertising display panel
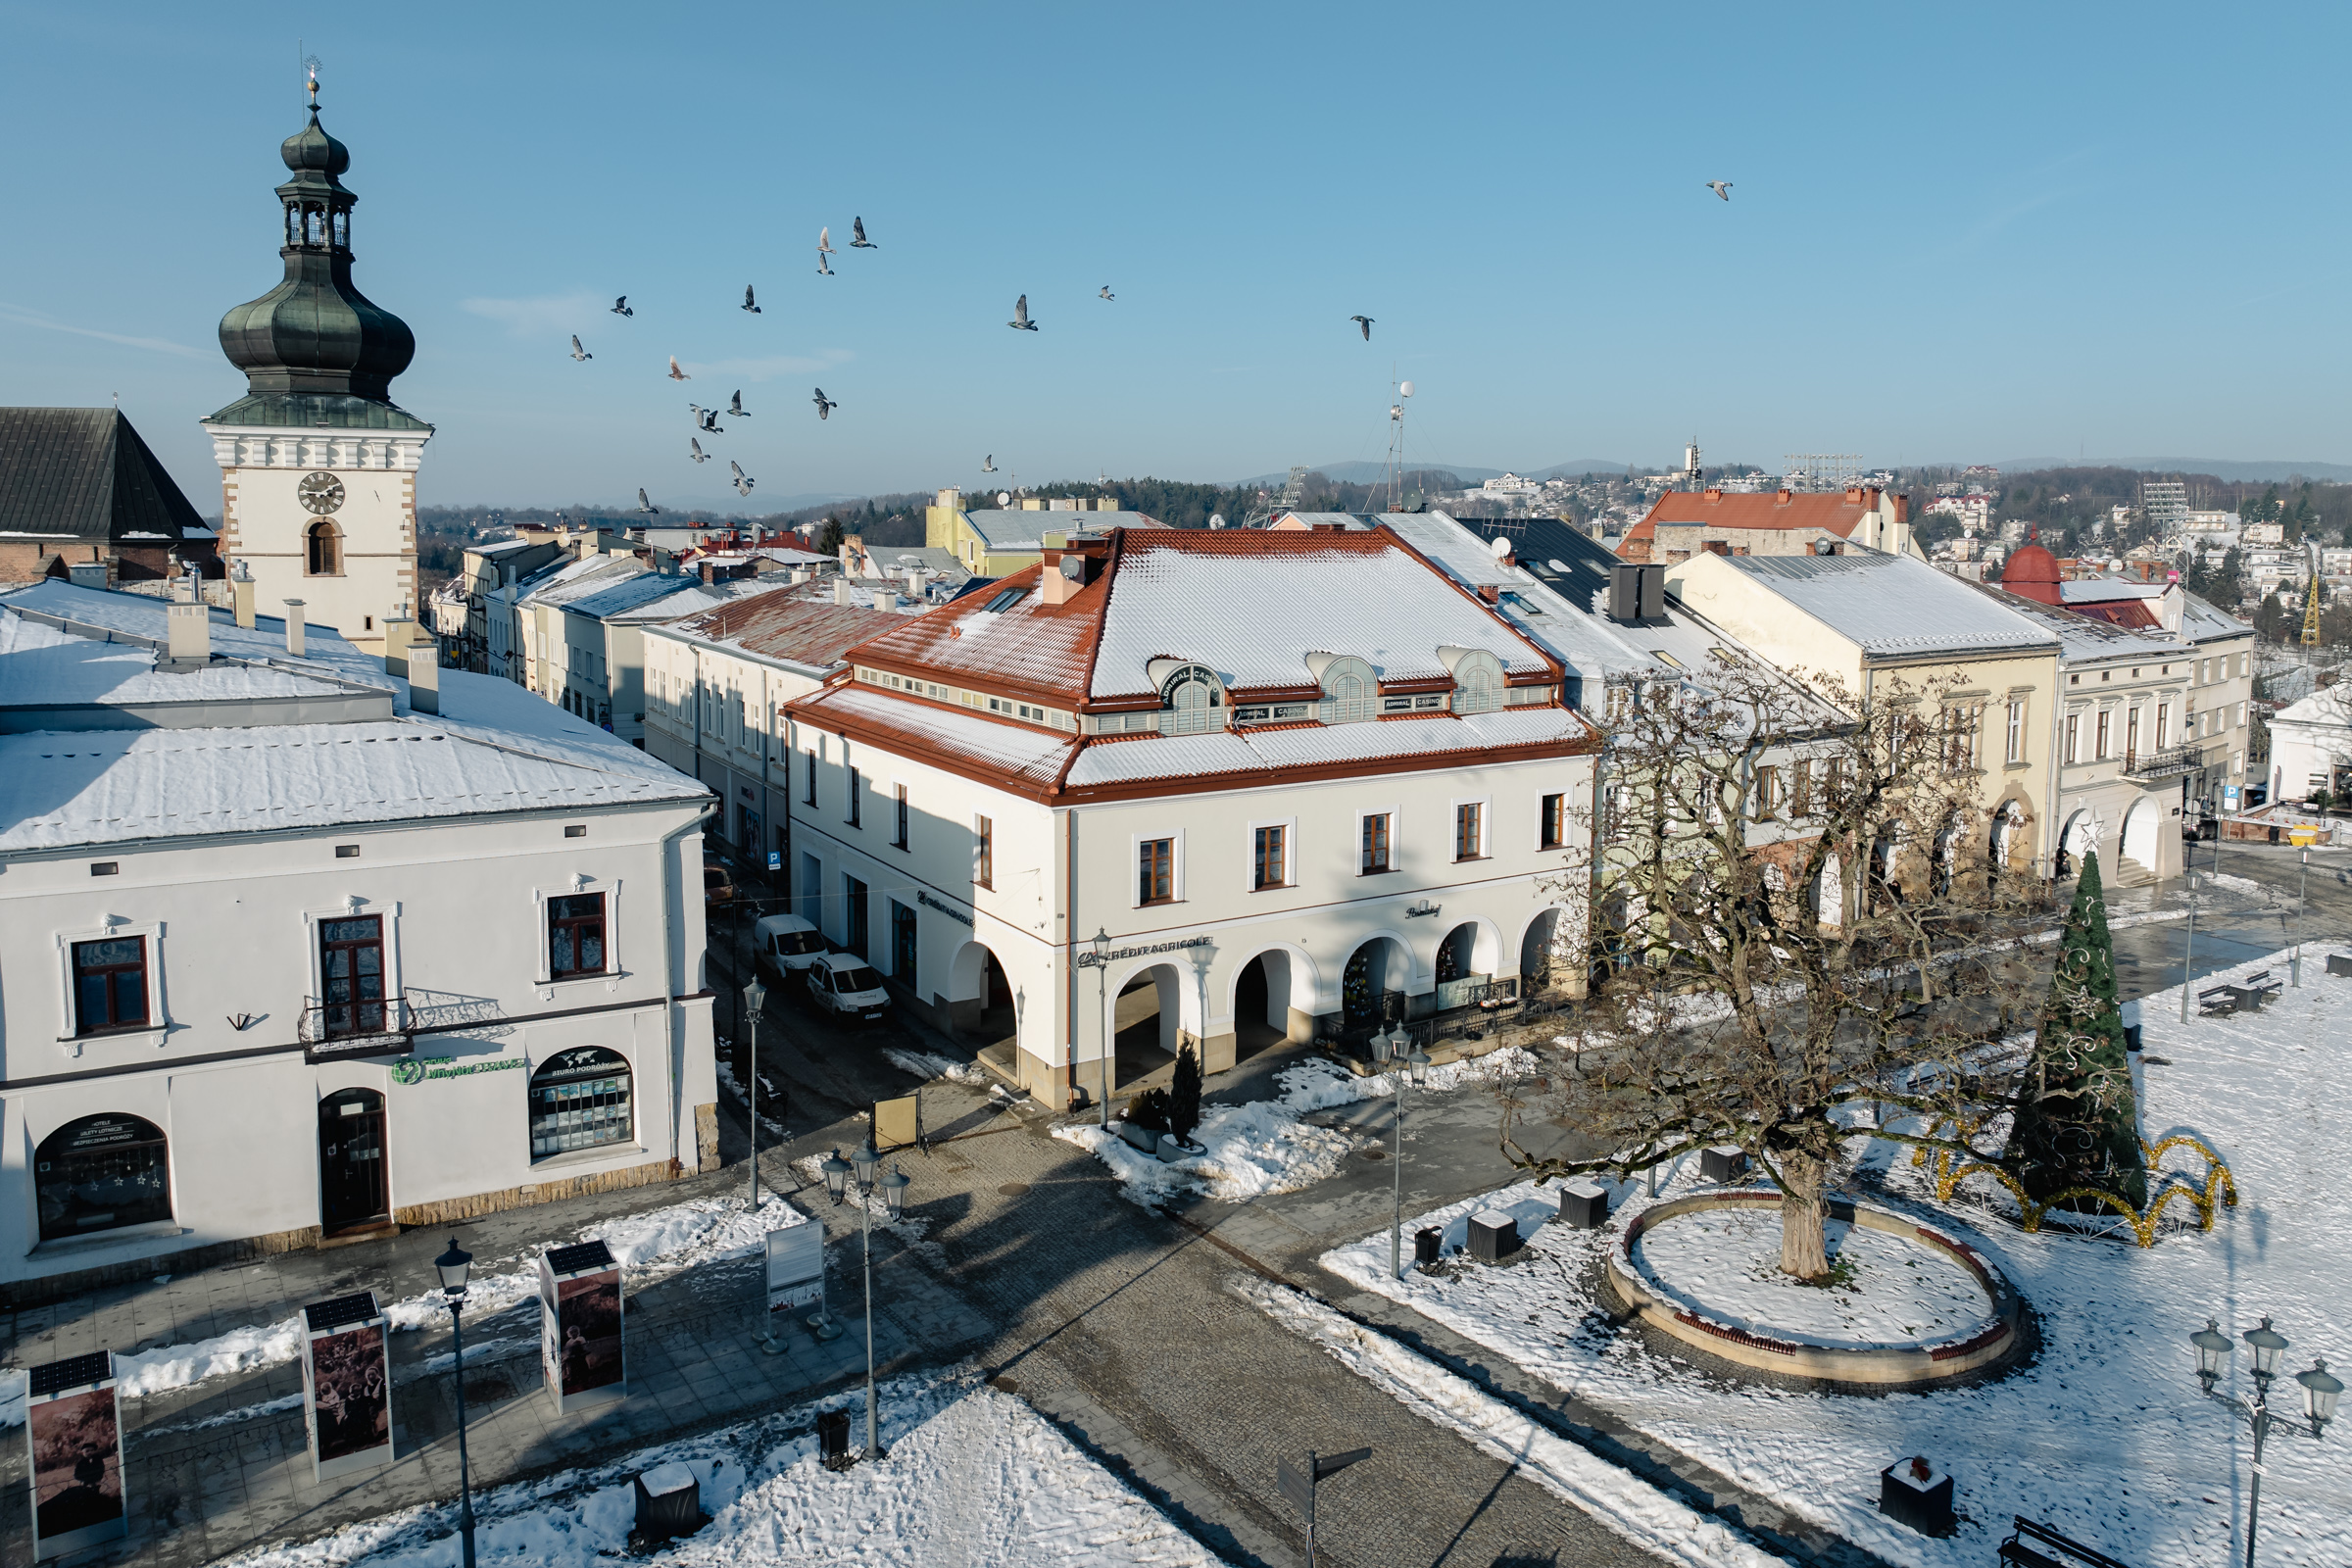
346	1385
579	1326
73	1426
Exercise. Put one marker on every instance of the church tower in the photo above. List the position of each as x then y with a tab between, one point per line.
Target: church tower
317	465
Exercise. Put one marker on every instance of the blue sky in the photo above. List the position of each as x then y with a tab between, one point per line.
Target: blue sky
1956	233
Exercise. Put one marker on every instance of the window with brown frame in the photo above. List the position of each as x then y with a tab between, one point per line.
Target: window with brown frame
1554	815
351	974
575	934
110	985
855	798
1768	793
1469	830
900	826
1156	871
984	853
1272	861
1378	849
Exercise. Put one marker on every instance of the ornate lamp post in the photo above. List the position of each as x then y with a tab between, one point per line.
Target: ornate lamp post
838	1173
2321	1391
2188	946
2302	878
753	995
1416	1065
454	1265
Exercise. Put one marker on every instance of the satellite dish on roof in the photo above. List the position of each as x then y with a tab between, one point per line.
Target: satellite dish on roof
1406	389
1499	546
1003	498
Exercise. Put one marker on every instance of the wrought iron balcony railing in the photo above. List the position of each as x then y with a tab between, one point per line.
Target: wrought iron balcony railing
2171	759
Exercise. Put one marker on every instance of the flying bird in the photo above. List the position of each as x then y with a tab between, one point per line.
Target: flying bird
824	268
1106	293
695	450
857	240
824	405
620	307
705	418
988	465
742	480
824	241
677	374
1364	321
737	408
1721	188
577	352
1020	321
747	300
643	504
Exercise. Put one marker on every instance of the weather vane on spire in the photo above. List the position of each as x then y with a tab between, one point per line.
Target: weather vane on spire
309	71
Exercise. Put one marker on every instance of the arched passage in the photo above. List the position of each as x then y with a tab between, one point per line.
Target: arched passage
1154	1011
1374	985
2007	845
2144	837
1273	1000
2081	834
1541	962
981	1005
1467	960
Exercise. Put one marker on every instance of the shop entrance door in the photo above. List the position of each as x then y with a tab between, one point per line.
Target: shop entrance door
355	1189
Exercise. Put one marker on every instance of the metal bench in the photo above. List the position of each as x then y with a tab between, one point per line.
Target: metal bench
2050	1549
2219	1001
2252	991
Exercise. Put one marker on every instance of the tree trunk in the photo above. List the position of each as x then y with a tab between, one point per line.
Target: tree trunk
1803	1253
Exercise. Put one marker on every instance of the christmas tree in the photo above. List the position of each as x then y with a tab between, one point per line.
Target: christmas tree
2078	1120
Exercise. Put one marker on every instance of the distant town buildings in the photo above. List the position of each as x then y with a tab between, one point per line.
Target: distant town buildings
1684	523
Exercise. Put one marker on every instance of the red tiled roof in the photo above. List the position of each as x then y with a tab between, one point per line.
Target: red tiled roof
1839	513
786	624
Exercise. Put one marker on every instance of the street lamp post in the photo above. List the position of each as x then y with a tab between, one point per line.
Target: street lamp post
1416	1065
753	995
454	1265
2188	948
2321	1391
2302	879
838	1173
1110	1042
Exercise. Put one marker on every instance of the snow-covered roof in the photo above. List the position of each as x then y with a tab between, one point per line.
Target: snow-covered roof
566	581
1892	605
2087	639
1028	753
144	617
1432	736
44	666
786	625
606	598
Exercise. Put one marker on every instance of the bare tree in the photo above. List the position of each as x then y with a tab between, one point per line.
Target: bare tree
1805	930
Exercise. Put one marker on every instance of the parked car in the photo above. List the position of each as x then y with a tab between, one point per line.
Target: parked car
783	944
717	887
846	984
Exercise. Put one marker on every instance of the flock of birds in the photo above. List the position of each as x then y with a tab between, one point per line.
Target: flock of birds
707	420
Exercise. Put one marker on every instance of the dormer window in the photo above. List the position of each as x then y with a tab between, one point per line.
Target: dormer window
1477	682
1191	699
1351	691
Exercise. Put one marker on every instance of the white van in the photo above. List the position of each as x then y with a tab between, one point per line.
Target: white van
846	984
786	943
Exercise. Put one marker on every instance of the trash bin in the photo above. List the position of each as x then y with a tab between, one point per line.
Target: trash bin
1428	1243
833	1436
1915	1493
2131	1012
669	1502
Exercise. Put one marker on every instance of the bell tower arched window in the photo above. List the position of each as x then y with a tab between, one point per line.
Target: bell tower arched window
322	550
1193	701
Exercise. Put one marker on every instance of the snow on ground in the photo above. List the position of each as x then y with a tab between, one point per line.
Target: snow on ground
926	1066
1263	1145
650	1247
1623	1501
974	1478
2103	1435
1725	1264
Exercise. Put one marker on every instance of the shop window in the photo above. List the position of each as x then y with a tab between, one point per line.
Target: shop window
580	1100
575	934
110	985
101	1173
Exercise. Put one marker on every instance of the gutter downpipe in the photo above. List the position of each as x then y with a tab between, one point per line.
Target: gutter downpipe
670	985
1070	944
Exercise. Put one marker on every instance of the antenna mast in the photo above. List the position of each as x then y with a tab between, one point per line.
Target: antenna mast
2311	596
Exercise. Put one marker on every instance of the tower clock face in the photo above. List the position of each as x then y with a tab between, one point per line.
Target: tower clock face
322	493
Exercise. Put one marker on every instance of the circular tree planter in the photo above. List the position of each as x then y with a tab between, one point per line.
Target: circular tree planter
1984	1340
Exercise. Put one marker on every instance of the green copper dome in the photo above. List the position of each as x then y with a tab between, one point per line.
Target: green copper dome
316	333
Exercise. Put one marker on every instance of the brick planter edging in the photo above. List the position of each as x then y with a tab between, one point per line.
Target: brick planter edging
1923	1363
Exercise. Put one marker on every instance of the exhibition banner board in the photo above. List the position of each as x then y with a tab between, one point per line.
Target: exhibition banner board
73	1428
346	1385
579	1326
796	1271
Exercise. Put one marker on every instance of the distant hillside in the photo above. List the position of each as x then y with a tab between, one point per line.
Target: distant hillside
2218	467
1469	473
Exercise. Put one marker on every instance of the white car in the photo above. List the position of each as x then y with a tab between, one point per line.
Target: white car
785	943
846	984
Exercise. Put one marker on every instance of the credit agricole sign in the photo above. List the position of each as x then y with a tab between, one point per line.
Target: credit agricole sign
416	1069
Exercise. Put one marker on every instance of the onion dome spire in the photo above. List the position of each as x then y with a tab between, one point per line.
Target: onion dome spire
316	338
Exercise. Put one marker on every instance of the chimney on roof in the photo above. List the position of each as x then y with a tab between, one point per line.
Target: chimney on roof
886	600
1786	496
708	575
188	631
99	574
1853	493
1714	494
399	633
424	679
840	592
1491	593
240	595
1636	593
294	639
800	575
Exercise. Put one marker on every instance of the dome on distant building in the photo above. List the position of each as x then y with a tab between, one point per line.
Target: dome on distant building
314	350
2032	572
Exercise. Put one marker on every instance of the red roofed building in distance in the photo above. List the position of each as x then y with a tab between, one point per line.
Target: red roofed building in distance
1783	522
1265	785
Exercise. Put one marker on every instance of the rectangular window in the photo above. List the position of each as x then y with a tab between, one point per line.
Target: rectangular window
811	798
2101	736
110	984
1156	871
350	969
2132	733
2164	725
1768	789
1552	816
2074	736
2241	715
1269	868
575	934
1378	849
856	799
2016	732
854	920
1468	830
898	825
984	853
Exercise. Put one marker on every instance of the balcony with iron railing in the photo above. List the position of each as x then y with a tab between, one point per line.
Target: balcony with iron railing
2170	759
372	1026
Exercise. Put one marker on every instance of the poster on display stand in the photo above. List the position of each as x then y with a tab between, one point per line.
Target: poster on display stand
73	1429
796	1274
579	1326
346	1385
